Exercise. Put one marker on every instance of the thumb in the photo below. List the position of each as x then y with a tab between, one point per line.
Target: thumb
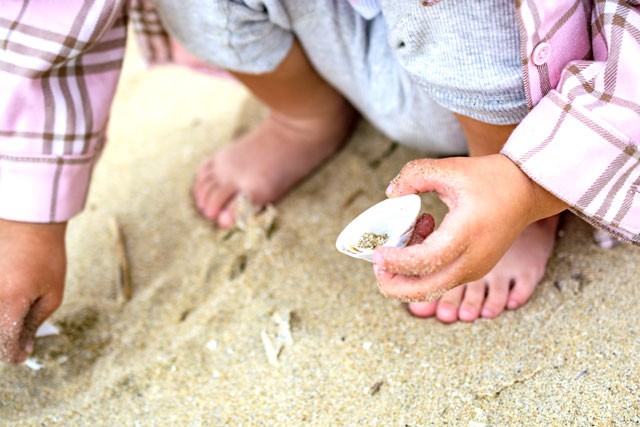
40	310
11	320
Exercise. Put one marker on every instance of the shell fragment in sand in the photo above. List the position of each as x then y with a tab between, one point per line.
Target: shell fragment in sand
280	338
270	349
257	223
32	363
47	329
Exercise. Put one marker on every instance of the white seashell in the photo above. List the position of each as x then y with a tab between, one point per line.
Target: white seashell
395	217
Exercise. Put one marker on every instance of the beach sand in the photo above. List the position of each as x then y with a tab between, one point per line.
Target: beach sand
189	346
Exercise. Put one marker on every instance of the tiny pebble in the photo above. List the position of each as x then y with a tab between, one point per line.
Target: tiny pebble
212	345
367	345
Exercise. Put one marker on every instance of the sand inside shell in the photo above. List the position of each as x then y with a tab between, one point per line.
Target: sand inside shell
372	240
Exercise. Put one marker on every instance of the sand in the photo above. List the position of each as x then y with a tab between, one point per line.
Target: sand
189	346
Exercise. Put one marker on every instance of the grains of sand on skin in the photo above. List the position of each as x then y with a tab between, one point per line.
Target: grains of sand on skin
372	240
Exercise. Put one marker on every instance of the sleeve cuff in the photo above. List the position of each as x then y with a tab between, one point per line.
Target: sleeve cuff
43	190
582	160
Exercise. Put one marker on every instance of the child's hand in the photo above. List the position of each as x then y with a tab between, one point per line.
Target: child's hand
32	270
490	202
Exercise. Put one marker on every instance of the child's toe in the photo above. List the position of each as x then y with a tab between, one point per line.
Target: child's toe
205	169
521	292
227	218
214	200
447	311
423	309
496	299
472	301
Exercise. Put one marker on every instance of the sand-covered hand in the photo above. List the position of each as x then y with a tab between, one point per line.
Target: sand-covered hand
32	271
490	202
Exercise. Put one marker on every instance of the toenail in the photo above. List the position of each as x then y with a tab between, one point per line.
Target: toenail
487	313
446	311
512	304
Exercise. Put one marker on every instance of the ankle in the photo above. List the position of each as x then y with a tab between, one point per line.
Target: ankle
330	107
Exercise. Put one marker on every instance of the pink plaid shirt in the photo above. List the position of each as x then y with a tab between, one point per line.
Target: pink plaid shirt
59	67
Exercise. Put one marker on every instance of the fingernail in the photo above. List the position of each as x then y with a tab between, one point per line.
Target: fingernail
375	269
389	188
378	258
29	347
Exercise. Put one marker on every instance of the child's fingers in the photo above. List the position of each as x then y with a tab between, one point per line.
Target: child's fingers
437	251
423	176
423	288
424	226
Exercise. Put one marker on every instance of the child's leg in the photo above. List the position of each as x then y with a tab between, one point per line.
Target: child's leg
308	121
309	118
513	279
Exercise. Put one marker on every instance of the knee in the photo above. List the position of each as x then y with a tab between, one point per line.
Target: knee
229	34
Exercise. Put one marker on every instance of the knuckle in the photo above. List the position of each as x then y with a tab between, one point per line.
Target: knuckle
413	165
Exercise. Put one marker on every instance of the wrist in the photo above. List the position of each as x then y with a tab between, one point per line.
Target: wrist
539	202
54	230
545	203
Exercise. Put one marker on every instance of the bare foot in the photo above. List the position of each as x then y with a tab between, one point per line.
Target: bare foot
268	161
508	285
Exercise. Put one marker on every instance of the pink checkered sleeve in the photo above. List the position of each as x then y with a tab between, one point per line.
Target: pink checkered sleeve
581	140
59	66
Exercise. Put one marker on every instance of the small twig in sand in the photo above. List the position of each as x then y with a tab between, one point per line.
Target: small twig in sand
375	388
124	273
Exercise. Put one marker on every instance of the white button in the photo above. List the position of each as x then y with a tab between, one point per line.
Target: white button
541	53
